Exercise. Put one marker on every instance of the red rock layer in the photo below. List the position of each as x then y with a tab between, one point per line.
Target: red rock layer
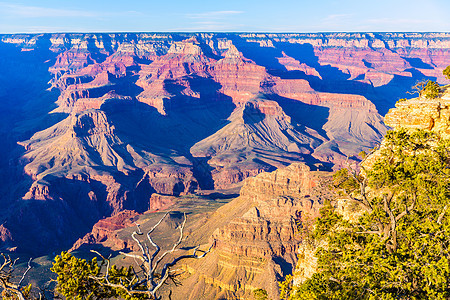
239	77
105	231
326	87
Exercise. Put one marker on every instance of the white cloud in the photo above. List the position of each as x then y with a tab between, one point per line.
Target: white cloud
388	21
24	11
222	14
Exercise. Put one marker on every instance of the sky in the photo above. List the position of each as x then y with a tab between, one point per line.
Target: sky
224	16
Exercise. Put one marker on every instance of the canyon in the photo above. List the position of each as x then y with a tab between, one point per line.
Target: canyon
96	125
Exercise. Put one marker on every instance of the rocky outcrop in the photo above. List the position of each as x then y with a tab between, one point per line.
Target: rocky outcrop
82	141
258	131
422	113
160	202
280	201
258	234
105	232
240	78
6	239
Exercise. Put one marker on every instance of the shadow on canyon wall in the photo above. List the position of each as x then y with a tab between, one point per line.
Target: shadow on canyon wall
25	104
23	80
333	80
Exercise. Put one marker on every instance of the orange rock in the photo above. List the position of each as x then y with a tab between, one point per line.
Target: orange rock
421	113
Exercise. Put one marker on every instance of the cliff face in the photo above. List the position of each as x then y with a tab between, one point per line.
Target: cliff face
137	114
256	236
422	113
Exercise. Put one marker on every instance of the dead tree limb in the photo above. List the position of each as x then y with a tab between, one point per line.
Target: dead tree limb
149	281
7	269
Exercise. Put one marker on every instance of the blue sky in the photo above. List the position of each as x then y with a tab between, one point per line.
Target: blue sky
229	15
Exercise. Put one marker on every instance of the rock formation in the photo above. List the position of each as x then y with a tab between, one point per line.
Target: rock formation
416	113
258	137
422	113
257	235
104	231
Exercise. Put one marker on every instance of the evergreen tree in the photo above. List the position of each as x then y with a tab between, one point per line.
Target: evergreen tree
399	248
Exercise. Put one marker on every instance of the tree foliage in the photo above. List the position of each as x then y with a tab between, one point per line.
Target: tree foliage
446	72
431	90
80	279
399	248
260	294
74	280
428	89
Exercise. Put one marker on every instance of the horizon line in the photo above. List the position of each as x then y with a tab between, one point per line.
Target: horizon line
218	32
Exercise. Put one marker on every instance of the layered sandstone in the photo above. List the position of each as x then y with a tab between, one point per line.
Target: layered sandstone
258	234
239	77
423	113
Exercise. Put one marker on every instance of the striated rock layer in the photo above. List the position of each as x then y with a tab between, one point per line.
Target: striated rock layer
422	113
257	235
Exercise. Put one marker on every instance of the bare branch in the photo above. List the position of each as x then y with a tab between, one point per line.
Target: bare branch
132	255
377	232
149	282
25	273
165	273
99	254
6	270
441	216
361	164
409	209
392	234
174	246
157	224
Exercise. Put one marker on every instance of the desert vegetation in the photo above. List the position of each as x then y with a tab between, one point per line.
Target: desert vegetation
399	247
427	89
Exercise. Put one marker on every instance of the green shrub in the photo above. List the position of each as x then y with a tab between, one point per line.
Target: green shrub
431	90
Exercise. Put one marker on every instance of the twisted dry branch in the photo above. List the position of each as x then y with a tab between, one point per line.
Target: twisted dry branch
150	282
6	272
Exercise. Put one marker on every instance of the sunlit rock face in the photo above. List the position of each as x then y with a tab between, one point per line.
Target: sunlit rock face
94	124
257	236
423	113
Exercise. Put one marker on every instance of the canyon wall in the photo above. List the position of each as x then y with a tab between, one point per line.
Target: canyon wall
255	237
